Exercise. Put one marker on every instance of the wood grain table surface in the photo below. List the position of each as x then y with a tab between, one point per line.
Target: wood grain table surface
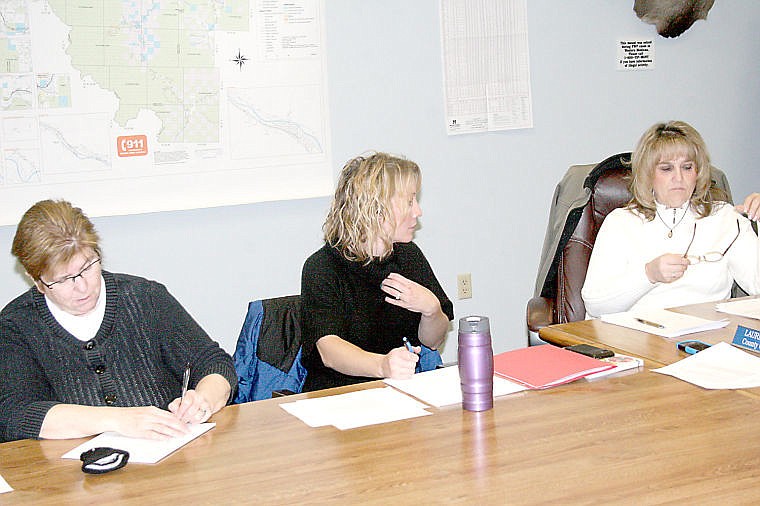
634	438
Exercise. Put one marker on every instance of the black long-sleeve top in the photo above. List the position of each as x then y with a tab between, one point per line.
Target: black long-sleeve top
343	298
137	357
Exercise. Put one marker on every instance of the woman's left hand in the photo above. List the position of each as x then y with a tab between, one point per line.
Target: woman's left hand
192	408
408	294
751	207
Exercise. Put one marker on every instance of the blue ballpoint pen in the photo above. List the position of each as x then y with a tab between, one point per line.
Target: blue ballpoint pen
411	350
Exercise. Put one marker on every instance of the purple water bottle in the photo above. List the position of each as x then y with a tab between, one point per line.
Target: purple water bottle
475	363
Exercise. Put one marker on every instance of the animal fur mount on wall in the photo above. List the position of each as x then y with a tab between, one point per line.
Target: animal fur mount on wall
672	17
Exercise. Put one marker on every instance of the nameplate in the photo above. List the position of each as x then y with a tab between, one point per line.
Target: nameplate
747	338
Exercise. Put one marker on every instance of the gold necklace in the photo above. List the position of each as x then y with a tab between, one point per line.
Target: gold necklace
670	229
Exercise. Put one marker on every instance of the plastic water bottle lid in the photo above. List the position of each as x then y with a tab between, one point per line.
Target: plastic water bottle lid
474	324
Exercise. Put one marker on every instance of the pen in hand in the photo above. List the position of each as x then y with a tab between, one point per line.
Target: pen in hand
185	382
650	323
410	349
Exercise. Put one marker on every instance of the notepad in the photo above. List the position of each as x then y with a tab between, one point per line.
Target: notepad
144	451
545	366
662	322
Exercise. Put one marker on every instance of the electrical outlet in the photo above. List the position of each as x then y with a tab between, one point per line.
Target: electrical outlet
464	286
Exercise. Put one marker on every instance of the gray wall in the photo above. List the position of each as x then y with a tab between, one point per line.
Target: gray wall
485	196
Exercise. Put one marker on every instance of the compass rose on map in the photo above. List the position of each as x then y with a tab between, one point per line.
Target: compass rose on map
239	60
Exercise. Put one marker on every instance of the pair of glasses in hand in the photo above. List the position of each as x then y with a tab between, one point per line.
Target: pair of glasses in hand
710	256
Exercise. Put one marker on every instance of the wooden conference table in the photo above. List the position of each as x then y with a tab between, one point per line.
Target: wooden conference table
637	437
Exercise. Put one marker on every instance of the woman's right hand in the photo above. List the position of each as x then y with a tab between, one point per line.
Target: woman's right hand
149	422
751	206
666	268
399	363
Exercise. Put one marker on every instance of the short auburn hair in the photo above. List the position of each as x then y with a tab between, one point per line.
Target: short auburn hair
51	233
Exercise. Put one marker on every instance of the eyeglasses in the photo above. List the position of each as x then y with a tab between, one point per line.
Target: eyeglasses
710	256
69	281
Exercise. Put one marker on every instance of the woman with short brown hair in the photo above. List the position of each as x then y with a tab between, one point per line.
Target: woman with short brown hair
86	350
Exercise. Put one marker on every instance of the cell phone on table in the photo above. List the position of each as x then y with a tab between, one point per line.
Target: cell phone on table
591	351
692	346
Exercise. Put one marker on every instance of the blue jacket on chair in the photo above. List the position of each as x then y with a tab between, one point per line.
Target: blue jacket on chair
429	359
268	352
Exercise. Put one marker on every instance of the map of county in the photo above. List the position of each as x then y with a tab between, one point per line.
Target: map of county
143	97
153	55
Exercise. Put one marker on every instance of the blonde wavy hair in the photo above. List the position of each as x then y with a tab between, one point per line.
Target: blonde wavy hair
363	202
51	233
662	141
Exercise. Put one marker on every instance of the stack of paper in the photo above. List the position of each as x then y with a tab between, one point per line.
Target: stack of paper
749	308
546	366
442	387
145	451
621	363
662	322
356	409
719	366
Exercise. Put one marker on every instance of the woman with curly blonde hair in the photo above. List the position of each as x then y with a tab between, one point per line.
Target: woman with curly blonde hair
678	241
370	286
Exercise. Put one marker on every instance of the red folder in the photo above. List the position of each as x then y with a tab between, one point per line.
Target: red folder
545	366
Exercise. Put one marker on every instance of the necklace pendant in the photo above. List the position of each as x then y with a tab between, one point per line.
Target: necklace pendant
670	234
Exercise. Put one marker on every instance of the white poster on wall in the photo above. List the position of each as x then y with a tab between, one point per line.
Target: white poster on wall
486	69
635	54
130	108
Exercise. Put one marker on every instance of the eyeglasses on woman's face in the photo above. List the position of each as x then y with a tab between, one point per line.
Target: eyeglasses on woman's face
68	282
710	256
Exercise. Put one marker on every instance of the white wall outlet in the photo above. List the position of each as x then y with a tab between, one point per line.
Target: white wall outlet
464	286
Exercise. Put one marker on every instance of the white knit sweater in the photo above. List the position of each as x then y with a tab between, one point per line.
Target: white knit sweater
616	279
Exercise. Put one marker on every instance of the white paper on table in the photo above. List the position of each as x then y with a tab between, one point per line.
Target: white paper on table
442	387
142	451
749	308
674	324
314	412
356	409
4	487
717	367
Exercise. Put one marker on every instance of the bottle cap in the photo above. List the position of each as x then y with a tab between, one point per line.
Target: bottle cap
474	324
